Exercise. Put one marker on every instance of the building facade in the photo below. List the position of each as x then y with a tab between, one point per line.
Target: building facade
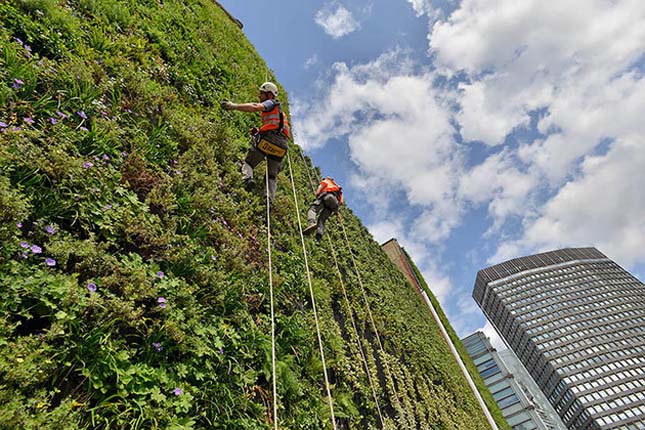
576	321
520	413
535	396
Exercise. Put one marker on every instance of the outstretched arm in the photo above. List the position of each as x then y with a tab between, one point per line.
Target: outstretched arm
247	107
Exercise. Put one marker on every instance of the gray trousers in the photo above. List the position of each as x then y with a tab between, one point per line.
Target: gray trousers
322	208
254	157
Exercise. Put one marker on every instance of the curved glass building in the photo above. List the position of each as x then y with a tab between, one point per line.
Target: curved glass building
576	320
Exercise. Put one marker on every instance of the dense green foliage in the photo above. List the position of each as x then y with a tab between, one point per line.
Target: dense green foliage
461	349
133	268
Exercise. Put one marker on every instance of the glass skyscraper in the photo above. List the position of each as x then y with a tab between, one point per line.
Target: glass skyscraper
576	320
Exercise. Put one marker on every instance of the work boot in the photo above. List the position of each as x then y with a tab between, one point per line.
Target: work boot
249	183
309	229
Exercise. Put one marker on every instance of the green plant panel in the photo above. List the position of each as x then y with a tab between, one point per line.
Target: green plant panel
133	264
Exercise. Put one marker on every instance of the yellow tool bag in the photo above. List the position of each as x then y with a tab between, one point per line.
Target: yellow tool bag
270	148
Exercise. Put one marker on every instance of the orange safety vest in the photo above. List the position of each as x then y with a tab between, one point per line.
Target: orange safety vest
273	119
328	185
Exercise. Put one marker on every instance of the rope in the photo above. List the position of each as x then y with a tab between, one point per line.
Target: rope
351	315
313	299
275	390
371	317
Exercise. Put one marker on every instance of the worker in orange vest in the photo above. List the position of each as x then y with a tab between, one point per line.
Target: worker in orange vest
270	141
329	197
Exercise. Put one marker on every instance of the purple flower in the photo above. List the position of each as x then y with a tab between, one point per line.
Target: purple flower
160	274
29	120
224	222
28	48
91	287
19	224
49	229
83	128
53	120
106	157
36	249
24	255
213	258
81	114
4	124
50	262
24	245
17	129
17	83
104	113
87	165
157	346
20	42
178	391
162	302
61	114
107	208
221	350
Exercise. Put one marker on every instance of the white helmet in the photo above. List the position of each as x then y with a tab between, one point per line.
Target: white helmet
269	87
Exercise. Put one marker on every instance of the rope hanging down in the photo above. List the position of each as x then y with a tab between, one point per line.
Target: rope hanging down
371	318
349	309
313	299
275	390
390	376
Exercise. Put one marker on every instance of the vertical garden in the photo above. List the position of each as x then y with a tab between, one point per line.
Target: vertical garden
133	265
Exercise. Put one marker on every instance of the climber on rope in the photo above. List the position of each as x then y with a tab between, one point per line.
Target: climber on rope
270	141
329	197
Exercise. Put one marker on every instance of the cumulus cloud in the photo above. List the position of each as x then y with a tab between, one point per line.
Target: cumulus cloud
311	61
605	207
399	134
336	22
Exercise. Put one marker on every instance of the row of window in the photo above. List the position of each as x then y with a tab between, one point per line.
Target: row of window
549	339
579	306
594	378
637	411
577	350
604	409
567	298
613	391
583	343
557	328
544	288
623	362
576	313
612	348
544	273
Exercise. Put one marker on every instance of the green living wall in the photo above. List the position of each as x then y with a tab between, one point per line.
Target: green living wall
133	268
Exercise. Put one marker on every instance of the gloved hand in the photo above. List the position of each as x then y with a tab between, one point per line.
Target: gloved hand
253	131
227	105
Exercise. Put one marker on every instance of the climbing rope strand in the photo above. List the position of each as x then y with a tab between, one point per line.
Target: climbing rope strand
313	299
360	347
390	376
371	318
275	390
349	309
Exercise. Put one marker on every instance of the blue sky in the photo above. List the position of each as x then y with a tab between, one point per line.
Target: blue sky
473	131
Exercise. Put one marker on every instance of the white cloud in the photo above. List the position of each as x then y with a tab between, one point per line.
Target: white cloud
421	7
336	22
605	207
311	61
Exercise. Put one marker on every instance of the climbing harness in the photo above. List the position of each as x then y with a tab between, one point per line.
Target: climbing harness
275	390
313	299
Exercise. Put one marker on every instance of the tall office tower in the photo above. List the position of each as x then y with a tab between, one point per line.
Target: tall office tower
518	410
576	321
